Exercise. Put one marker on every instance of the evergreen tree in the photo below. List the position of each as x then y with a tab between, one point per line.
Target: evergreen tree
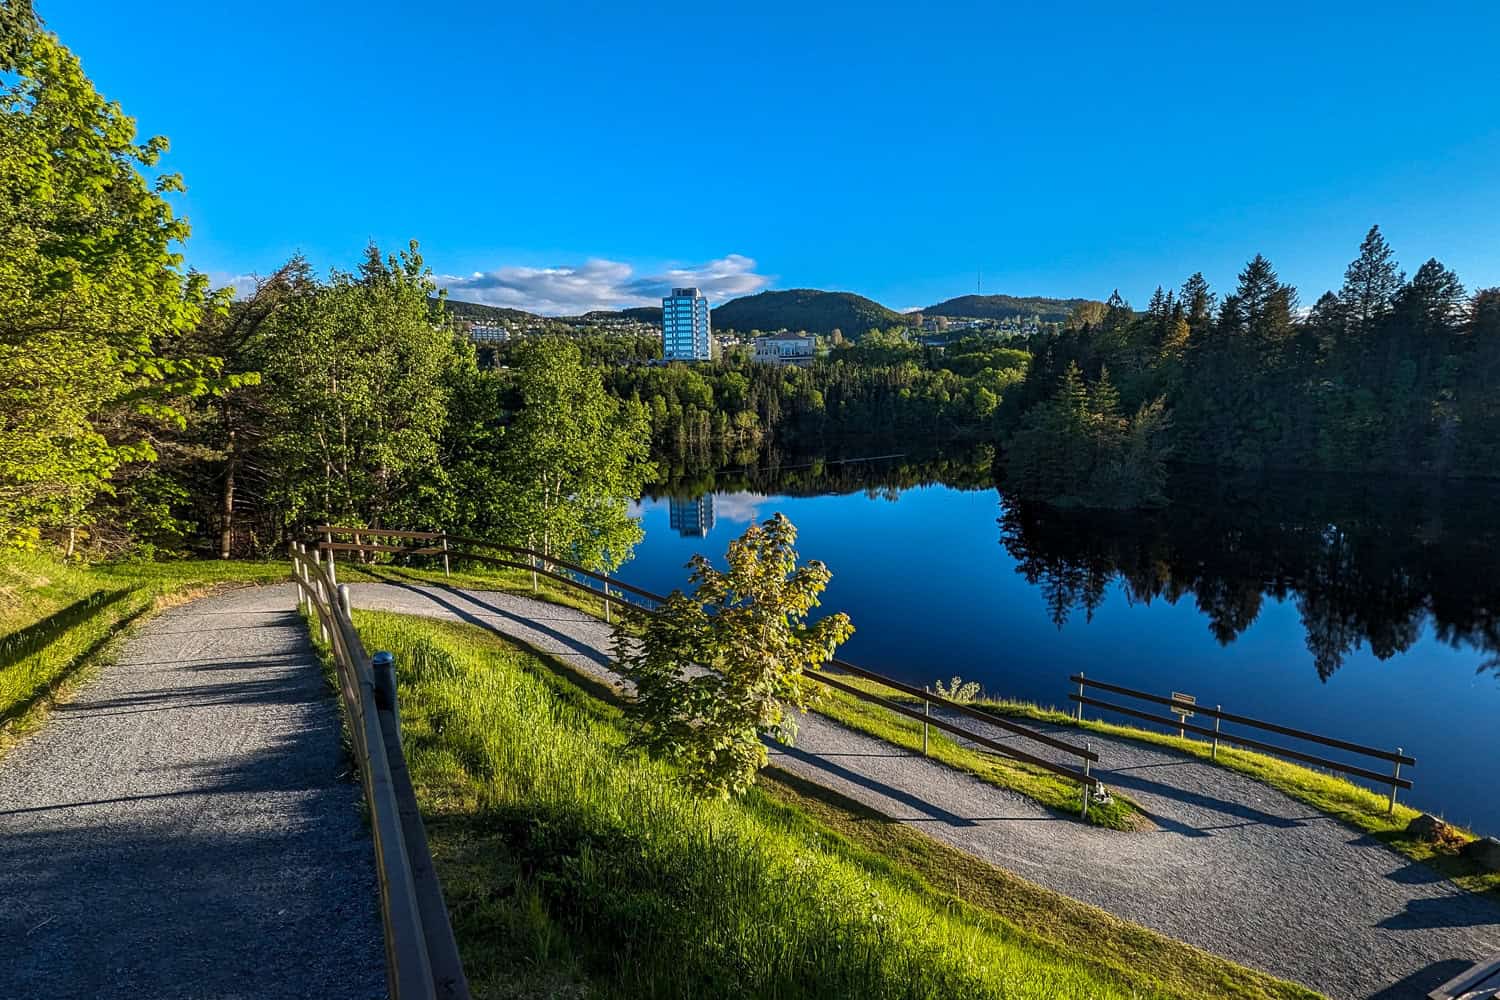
1371	281
1197	301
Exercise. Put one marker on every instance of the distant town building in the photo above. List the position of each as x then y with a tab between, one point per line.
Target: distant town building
684	326
692	518
785	349
488	333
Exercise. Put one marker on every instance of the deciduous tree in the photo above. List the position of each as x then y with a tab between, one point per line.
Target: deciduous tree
93	294
717	670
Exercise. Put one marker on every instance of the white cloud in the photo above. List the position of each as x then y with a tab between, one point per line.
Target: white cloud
570	289
739	508
243	284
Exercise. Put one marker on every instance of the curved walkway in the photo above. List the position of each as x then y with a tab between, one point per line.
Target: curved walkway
1235	867
184	827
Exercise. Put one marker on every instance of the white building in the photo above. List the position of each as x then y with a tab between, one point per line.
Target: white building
685	327
785	349
488	333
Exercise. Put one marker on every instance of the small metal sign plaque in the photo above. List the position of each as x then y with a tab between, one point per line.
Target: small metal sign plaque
1178	710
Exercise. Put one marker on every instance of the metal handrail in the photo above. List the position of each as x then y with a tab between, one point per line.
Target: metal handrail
421	954
1081	775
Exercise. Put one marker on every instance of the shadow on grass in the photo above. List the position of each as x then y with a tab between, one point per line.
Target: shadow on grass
35	637
45	690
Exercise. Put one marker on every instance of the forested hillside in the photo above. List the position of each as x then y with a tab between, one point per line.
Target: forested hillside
1006	307
1389	373
805	309
478	312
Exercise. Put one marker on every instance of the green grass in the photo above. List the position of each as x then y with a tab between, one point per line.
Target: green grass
58	622
1035	783
1359	807
574	866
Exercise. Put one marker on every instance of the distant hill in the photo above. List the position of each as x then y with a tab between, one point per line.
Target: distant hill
1004	307
806	309
640	314
476	312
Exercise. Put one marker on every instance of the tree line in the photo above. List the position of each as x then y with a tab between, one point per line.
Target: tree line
142	412
1387	374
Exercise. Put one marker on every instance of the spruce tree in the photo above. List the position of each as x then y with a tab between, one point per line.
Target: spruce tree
1197	301
1371	281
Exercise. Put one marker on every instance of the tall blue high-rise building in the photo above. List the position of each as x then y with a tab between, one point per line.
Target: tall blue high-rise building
684	326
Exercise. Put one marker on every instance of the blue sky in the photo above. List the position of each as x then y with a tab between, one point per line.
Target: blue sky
584	155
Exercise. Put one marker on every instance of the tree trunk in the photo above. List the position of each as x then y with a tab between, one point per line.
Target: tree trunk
226	512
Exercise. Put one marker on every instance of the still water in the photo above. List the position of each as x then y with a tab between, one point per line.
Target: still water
1365	612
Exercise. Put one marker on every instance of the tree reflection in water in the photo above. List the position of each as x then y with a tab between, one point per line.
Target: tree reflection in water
1365	563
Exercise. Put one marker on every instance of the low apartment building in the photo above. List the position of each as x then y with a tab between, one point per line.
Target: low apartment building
785	349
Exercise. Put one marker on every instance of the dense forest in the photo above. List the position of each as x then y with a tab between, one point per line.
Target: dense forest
143	413
1386	374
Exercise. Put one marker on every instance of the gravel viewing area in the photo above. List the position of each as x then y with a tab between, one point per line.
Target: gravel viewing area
187	825
1233	865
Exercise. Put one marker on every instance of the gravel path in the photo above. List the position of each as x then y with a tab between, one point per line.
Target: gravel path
184	827
1234	866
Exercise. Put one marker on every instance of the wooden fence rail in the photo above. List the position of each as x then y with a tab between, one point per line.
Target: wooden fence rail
422	961
611	591
1184	708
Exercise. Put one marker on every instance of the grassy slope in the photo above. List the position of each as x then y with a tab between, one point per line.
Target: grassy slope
59	621
575	867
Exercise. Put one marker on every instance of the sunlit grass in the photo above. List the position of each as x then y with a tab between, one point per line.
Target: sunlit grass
575	866
1035	783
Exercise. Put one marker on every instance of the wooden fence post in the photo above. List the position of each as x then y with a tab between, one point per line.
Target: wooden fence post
1217	722
445	552
1396	773
318	590
1088	787
383	667
333	576
926	710
1080	696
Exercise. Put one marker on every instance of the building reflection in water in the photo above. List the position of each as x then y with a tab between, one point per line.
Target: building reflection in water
692	518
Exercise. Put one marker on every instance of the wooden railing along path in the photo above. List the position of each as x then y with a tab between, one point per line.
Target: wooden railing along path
1184	708
615	593
422	961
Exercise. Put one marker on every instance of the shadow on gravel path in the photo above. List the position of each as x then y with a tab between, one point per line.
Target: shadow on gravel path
184	826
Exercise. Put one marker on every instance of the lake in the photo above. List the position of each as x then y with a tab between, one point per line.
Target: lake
1367	612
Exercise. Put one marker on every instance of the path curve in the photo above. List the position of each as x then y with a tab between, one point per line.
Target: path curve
185	826
1235	867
